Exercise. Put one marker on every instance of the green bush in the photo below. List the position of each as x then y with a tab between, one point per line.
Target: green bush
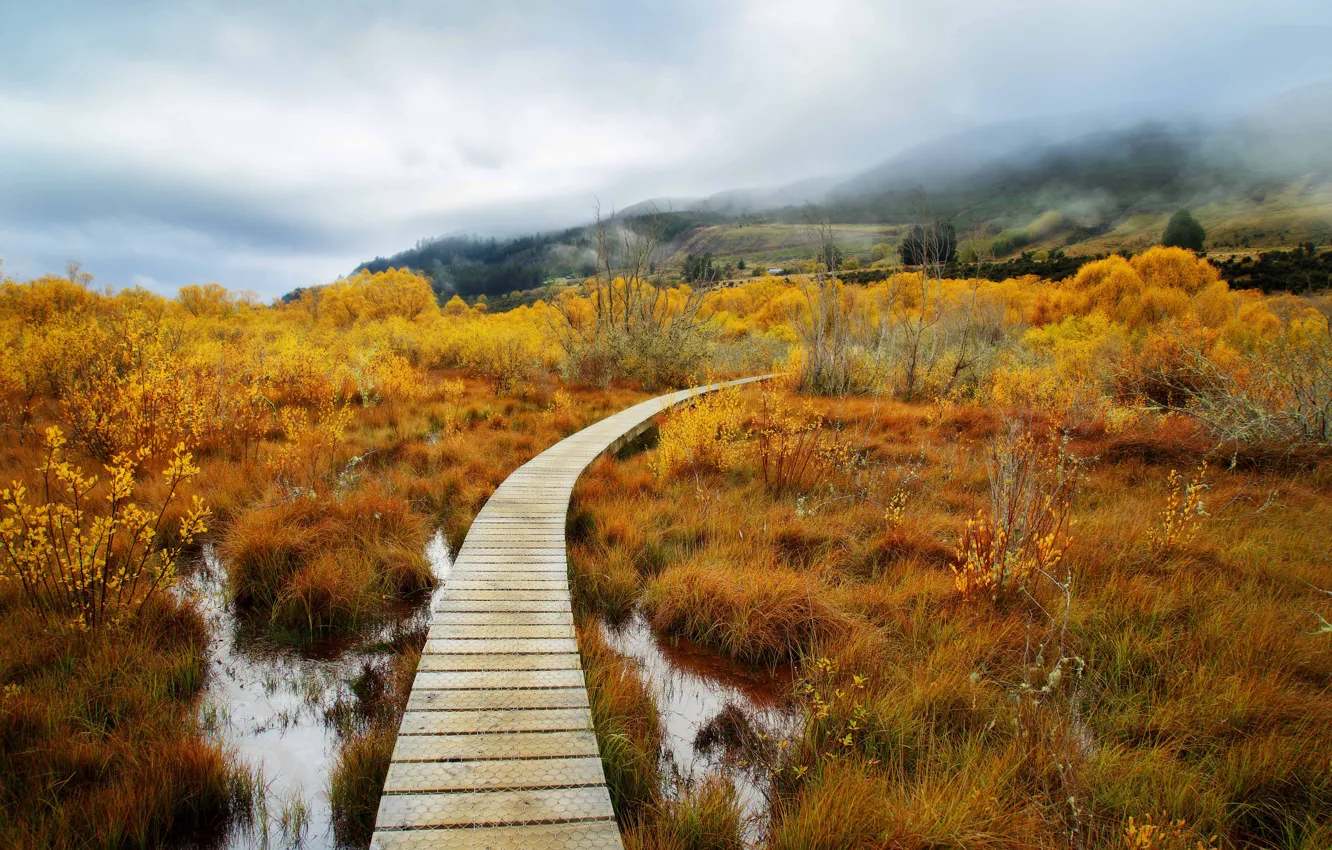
1183	231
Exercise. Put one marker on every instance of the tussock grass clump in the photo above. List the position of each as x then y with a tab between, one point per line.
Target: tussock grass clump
760	617
98	745
327	563
705	818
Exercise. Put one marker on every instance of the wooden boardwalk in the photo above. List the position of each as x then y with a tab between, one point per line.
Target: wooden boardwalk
496	749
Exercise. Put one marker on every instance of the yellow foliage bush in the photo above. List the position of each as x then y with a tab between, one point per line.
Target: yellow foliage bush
377	375
505	354
1175	268
1183	512
132	392
708	434
92	555
1025	533
791	447
1064	373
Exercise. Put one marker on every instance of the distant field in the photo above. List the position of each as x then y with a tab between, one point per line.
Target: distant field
1281	217
1299	213
774	241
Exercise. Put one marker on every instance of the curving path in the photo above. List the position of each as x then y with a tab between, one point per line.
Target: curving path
496	749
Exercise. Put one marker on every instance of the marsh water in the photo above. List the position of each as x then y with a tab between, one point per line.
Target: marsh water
709	705
277	703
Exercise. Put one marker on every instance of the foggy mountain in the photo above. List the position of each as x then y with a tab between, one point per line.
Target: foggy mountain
996	181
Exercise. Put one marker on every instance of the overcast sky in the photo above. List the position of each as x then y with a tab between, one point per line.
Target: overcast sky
269	145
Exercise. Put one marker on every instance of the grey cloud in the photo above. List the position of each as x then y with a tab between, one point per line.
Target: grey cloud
481	154
272	144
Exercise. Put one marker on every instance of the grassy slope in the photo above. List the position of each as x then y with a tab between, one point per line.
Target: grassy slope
772	241
1297	212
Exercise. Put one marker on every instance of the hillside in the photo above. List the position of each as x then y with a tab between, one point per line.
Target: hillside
1110	191
471	266
1253	185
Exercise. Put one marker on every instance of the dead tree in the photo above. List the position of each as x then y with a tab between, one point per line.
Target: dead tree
825	331
631	320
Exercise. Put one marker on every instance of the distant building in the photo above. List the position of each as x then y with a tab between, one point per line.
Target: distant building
776	271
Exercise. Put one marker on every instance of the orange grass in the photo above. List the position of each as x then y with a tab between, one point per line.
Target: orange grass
327	563
1205	694
628	727
98	744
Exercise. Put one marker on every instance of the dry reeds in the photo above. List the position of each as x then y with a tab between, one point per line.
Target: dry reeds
327	563
1202	689
98	745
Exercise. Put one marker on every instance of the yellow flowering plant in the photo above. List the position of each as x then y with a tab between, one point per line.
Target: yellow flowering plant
93	554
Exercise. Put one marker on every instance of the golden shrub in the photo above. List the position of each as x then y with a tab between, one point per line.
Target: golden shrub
87	554
1025	532
1175	268
1179	520
708	434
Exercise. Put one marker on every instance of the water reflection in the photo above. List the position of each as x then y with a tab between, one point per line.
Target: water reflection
277	705
440	557
708	703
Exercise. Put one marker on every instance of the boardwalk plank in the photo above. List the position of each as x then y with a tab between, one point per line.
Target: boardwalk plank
495	749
